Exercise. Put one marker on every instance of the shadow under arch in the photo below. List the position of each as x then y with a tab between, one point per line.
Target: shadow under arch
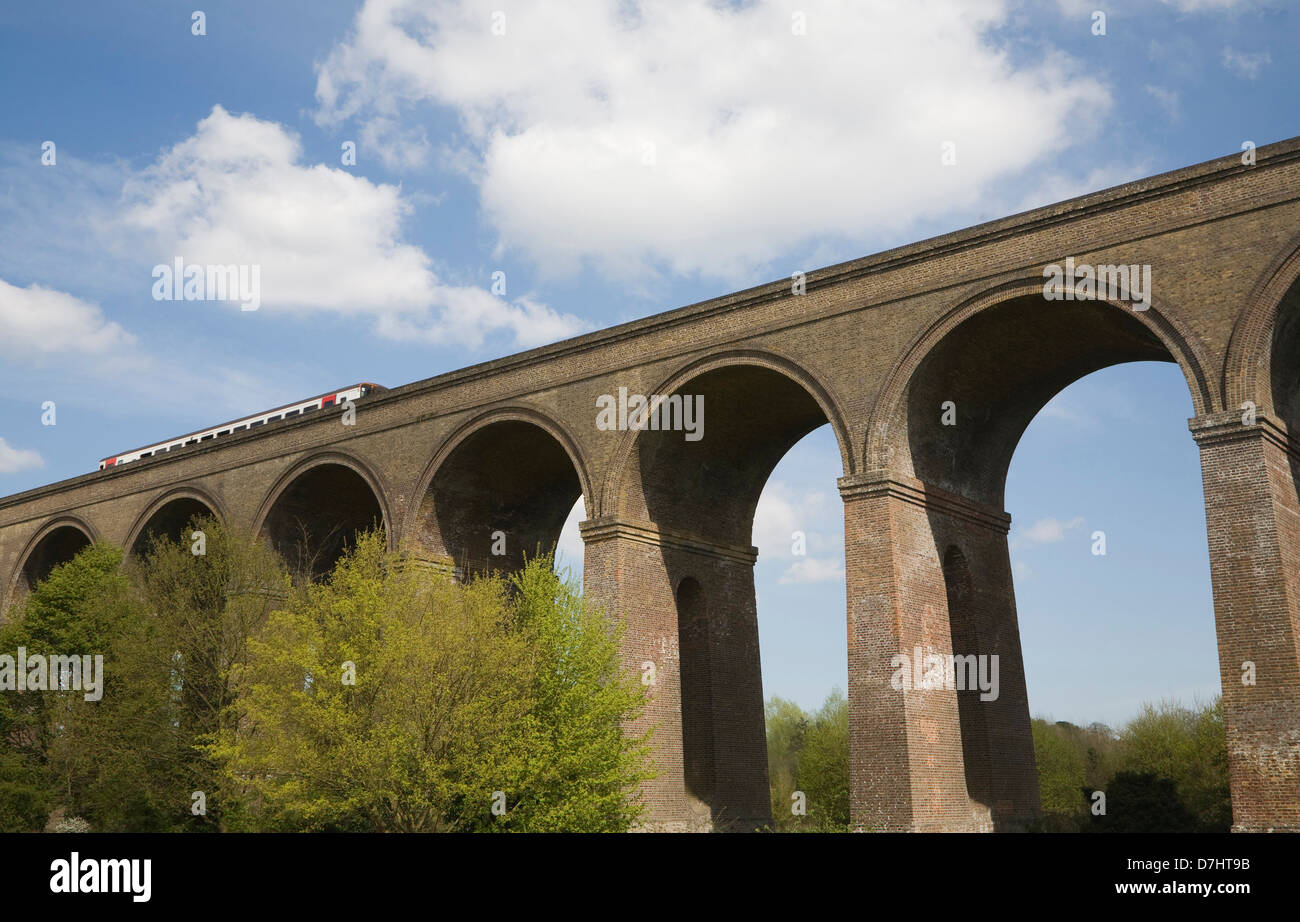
612	492
169	515
57	542
316	509
499	489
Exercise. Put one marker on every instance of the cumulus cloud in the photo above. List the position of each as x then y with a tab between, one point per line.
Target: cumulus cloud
238	193
781	512
1045	531
13	460
813	570
696	137
43	321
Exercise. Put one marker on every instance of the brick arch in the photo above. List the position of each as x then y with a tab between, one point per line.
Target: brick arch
1247	366
887	427
818	390
46	530
197	494
317	462
518	412
529	507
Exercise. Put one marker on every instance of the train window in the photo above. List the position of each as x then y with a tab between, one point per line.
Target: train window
327	401
192	442
238	428
255	423
146	454
291	413
224	432
271	419
206	437
311	409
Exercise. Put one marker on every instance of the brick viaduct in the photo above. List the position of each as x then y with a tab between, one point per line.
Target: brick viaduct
873	348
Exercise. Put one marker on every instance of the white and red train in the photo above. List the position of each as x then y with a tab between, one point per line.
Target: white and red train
319	402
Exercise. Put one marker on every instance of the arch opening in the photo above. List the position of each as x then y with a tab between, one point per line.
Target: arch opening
501	495
171	522
58	547
975	392
317	517
752	416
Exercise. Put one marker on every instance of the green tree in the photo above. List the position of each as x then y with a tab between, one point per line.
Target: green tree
389	700
578	769
824	765
1164	771
1143	802
1187	746
1062	771
809	754
786	726
204	607
84	757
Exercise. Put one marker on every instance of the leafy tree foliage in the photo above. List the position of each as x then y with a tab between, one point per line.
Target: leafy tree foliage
223	678
387	700
1164	771
809	754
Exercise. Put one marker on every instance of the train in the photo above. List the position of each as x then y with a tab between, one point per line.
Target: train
289	410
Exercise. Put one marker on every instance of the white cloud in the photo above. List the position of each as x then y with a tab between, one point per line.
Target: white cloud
813	570
1021	570
1245	64
697	137
13	459
43	321
236	192
1045	531
781	512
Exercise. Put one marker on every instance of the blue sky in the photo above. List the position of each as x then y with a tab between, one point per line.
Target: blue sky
616	160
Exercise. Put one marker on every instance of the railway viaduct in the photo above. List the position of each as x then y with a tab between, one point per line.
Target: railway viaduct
876	349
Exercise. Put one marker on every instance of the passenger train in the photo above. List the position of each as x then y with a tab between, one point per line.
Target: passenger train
302	407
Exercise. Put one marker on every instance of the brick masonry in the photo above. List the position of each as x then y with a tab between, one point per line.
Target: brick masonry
873	347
